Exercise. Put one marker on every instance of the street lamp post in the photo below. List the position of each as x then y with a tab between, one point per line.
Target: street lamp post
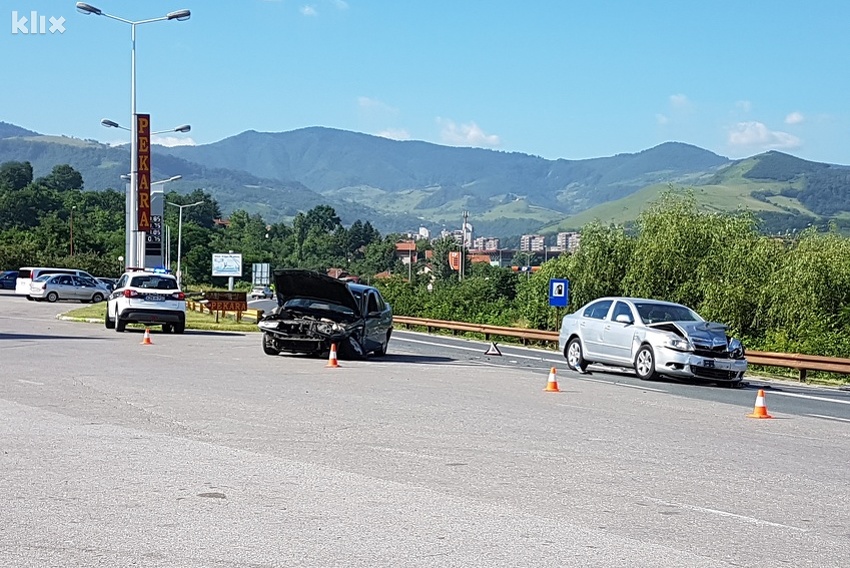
132	229
72	229
180	238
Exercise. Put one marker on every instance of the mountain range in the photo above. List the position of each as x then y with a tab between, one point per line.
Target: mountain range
402	185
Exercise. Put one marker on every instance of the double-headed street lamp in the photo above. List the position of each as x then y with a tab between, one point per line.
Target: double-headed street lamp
131	232
180	238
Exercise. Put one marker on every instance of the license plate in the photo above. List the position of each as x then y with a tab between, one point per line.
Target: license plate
712	364
155	298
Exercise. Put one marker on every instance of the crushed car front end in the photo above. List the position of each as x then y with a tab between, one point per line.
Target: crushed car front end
698	350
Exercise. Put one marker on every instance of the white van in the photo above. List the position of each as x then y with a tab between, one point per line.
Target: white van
27	274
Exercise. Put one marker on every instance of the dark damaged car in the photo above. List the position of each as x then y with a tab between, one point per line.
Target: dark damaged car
315	311
655	338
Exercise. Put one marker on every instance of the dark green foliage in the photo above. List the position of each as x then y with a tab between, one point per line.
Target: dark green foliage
781	167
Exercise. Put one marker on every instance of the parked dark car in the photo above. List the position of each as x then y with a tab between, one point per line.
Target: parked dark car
8	278
315	310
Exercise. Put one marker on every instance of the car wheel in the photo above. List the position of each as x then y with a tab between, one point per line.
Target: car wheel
268	345
52	297
120	325
108	322
167	328
97	298
382	350
179	327
575	356
645	364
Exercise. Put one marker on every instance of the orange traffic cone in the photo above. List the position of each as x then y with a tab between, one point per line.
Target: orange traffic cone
147	338
552	384
332	362
760	410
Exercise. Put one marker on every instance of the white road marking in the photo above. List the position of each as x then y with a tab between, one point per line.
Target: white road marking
829	417
751	520
26	382
638	387
475	349
808	396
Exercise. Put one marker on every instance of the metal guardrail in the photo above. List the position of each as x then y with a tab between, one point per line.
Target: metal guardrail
797	361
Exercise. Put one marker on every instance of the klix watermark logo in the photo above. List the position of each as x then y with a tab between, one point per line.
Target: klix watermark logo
33	23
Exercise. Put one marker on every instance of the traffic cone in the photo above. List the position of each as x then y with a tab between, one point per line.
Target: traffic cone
147	338
493	350
760	410
552	384
332	362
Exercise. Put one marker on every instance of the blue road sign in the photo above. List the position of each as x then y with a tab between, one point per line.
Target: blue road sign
559	292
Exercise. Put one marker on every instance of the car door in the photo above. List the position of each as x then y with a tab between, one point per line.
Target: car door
590	328
64	286
376	320
617	336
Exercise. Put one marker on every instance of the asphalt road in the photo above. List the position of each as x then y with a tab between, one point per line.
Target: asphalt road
201	451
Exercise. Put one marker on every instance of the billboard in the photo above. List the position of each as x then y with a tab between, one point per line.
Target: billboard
143	171
229	264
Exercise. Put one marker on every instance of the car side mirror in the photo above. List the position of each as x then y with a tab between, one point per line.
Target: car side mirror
624	318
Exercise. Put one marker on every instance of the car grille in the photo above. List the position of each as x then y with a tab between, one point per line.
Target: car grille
719	352
709	373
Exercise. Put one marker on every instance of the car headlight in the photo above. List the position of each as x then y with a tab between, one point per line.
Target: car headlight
679	344
736	349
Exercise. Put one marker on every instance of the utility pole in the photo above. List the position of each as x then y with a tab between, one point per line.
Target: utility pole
465	223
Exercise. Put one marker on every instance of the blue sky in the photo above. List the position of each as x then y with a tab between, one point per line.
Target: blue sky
553	78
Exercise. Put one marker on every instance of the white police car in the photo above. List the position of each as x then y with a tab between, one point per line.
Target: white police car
149	297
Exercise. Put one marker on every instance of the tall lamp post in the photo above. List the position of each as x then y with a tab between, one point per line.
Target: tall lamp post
131	230
180	238
73	207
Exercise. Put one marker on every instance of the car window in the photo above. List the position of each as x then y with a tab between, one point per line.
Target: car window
598	310
373	303
122	281
621	308
65	281
656	313
43	278
153	281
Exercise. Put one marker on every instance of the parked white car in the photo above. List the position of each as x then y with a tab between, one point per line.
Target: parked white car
655	338
147	297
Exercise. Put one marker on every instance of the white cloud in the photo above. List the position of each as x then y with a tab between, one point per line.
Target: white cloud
394	134
172	141
341	4
795	118
745	106
374	105
309	11
662	119
679	101
757	136
469	134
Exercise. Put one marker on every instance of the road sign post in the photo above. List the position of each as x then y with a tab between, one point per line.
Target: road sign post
559	292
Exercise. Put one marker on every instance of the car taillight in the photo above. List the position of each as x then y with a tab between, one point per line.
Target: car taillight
178	296
130	293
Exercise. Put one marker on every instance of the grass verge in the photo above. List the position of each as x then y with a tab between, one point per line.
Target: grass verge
194	320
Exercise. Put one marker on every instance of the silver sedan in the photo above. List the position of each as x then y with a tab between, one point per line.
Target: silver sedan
655	338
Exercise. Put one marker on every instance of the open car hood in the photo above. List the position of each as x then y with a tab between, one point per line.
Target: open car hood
293	283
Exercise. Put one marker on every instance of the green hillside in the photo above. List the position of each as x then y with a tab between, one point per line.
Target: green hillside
727	190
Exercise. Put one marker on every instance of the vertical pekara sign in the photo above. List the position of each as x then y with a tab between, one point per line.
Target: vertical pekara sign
143	171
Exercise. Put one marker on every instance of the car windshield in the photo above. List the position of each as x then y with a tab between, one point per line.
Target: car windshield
43	278
658	313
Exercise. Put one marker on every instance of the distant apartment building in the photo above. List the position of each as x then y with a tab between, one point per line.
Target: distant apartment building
532	243
486	243
569	241
424	233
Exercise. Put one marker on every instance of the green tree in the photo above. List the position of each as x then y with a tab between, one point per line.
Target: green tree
62	178
15	175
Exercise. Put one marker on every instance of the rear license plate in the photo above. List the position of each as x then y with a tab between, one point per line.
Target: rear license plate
155	298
